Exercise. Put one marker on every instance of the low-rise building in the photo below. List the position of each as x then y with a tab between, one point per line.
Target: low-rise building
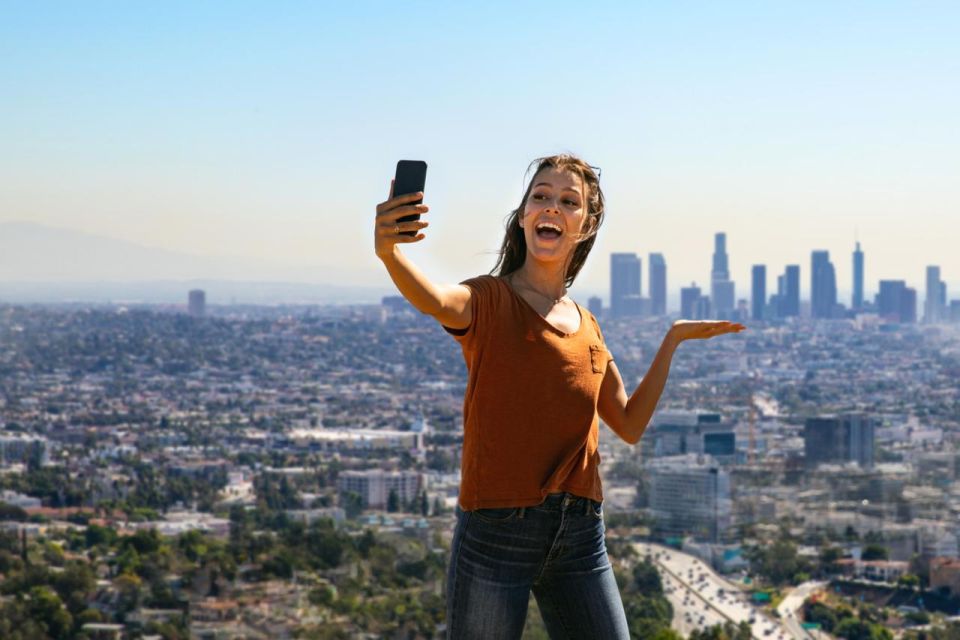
375	485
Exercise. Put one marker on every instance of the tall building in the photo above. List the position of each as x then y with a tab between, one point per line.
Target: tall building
758	299
897	302
955	311
725	294
722	291
788	292
595	305
908	306
624	282
936	300
823	285
197	302
857	302
703	309
689	496
839	439
673	433
689	297
658	284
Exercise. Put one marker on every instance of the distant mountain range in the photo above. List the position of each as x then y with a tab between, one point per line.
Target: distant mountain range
45	264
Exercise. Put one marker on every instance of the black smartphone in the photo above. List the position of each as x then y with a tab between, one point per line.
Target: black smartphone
411	177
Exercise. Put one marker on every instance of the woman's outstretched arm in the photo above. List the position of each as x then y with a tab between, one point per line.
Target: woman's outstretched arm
629	417
449	304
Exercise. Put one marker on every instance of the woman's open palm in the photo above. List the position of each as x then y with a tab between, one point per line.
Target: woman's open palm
703	329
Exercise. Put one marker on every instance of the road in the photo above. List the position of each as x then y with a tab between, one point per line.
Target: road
792	603
701	598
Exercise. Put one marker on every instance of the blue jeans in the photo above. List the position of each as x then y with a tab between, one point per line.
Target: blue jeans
556	549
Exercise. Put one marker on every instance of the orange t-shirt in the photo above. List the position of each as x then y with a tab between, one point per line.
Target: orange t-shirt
530	424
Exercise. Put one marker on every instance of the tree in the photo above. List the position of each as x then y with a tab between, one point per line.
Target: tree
12	512
822	615
779	562
646	579
352	504
909	581
726	631
647	615
46	608
393	501
875	552
828	556
365	542
128	589
853	629
75	585
321	596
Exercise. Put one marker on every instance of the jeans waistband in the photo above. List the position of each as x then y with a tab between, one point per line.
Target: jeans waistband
566	501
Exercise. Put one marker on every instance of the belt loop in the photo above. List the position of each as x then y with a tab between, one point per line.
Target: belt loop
586	506
522	511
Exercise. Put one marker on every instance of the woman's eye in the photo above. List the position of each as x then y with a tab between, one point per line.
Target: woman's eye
572	203
538	196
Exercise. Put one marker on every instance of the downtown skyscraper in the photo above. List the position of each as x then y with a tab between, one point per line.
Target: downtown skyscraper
693	305
823	285
896	302
657	268
758	293
722	292
788	292
857	302
936	296
624	283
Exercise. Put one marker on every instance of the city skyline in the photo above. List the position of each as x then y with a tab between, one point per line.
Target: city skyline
826	299
219	269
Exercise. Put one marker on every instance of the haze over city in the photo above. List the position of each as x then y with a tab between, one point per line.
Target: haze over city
268	136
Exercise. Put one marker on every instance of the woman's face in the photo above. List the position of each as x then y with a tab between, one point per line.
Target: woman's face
554	214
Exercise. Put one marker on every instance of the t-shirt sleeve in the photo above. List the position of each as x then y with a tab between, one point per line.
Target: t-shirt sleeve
485	295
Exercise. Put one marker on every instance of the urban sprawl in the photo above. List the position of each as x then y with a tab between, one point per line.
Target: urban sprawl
291	471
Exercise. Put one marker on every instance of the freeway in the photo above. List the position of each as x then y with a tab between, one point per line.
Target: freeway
701	598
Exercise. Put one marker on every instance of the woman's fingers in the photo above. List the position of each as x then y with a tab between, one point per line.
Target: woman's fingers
693	329
392	202
389	230
397	228
391	215
723	327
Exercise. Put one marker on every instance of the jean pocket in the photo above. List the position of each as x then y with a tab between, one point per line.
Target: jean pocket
497	516
596	509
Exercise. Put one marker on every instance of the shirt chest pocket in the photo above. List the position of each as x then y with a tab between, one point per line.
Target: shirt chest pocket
598	358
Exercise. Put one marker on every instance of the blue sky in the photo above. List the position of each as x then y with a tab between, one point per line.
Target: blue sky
271	130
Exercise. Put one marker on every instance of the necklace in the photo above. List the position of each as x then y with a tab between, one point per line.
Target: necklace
554	301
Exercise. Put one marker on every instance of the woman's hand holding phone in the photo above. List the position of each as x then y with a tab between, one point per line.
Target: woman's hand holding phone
389	230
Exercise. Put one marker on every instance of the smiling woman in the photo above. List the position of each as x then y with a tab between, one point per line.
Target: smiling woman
530	516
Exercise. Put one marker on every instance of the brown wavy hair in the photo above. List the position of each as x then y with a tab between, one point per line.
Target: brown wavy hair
513	251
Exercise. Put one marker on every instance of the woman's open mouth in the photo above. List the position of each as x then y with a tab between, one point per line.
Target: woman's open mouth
548	231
